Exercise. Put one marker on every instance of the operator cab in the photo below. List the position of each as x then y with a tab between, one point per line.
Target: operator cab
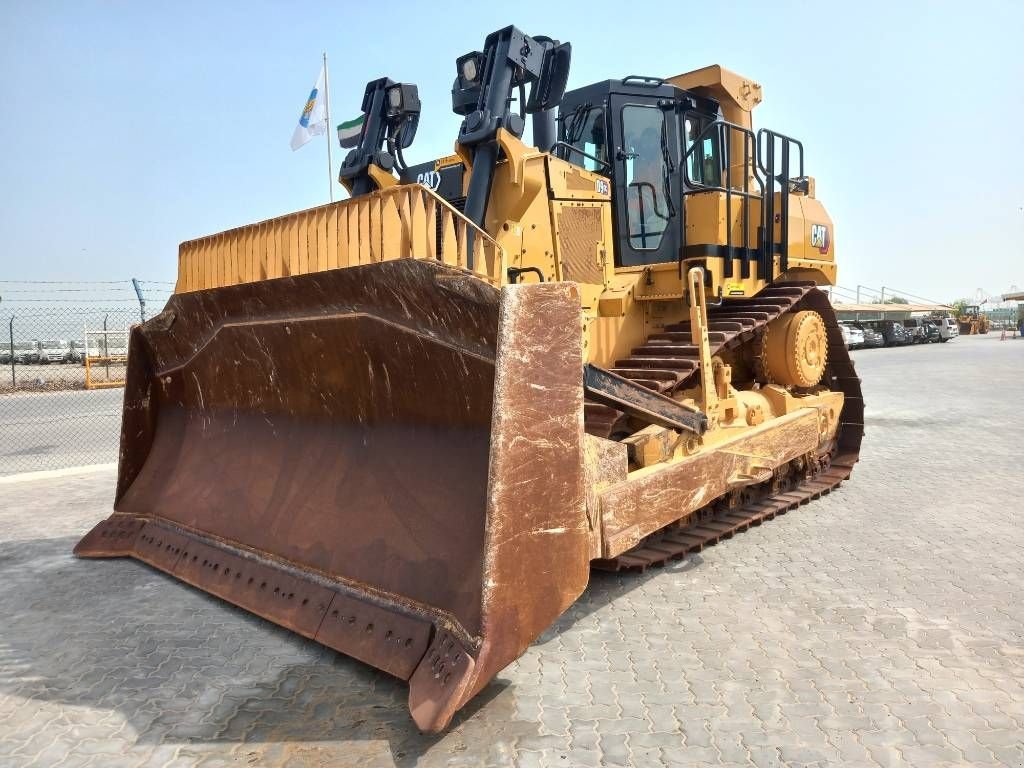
636	131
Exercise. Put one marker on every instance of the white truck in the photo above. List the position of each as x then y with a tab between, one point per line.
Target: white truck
948	328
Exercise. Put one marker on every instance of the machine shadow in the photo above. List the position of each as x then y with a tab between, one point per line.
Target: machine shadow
181	666
606	587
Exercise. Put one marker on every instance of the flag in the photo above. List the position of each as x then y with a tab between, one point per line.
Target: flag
349	133
313	120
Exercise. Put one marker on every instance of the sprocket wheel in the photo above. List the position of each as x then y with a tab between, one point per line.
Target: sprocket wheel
794	351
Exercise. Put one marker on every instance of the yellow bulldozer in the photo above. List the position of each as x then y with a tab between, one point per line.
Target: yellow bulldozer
972	320
407	425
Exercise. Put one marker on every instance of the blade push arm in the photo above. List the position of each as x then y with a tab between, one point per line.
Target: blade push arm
483	94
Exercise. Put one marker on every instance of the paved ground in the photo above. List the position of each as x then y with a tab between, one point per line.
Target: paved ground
881	625
52	430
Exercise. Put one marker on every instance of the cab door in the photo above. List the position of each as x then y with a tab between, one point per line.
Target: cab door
645	168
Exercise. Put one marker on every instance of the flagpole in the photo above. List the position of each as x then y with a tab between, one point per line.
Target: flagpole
327	108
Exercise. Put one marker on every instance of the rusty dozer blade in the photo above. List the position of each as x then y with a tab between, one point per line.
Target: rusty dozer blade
386	459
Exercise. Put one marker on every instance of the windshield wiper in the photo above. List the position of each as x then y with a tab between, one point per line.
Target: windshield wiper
669	169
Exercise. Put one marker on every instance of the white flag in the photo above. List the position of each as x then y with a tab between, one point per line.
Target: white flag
313	120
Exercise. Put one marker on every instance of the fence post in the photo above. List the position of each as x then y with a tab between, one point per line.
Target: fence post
106	349
14	381
142	301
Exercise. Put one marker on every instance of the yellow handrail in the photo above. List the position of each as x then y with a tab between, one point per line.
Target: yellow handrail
103	360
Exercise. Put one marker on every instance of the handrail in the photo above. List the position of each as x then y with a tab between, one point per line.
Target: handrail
574	148
772	136
645	81
724	130
717	125
400	222
783	179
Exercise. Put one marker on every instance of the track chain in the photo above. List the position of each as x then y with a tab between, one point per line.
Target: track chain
668	361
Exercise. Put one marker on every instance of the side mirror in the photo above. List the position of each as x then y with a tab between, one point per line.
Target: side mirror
547	92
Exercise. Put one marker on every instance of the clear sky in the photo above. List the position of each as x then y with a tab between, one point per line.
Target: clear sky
128	127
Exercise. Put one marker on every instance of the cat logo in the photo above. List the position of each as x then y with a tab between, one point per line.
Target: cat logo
734	289
820	238
431	179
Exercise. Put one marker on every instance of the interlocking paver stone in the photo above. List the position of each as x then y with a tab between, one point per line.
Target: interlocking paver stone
880	625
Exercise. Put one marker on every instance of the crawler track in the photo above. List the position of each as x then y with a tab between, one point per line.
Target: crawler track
669	361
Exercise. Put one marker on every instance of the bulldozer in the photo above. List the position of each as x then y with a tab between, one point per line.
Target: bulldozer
408	425
972	320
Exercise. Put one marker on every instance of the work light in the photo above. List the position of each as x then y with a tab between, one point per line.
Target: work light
468	67
403	99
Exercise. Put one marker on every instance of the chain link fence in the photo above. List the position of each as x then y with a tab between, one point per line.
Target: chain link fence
63	353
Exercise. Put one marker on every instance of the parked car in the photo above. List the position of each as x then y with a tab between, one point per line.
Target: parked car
894	334
53	351
900	334
915	330
26	352
922	330
948	328
872	338
76	352
852	335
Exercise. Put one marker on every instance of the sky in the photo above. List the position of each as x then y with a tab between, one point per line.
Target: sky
130	127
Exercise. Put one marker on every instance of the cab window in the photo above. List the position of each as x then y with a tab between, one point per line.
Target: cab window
647	211
703	166
584	130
